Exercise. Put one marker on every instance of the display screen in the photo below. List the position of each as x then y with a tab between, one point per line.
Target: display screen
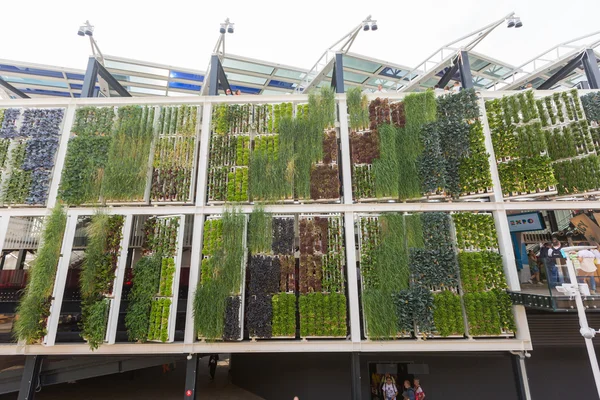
526	222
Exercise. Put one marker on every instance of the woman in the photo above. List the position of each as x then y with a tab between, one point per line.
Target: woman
389	389
409	392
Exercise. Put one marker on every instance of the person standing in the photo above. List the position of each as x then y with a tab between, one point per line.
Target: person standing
533	268
456	87
555	259
212	365
390	391
419	393
409	392
587	268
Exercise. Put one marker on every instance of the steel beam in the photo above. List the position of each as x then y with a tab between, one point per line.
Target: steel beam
95	69
13	89
520	374
217	77
337	80
563	72
464	68
89	80
30	378
590	66
448	74
191	376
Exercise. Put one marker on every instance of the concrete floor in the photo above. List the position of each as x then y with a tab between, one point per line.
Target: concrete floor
148	384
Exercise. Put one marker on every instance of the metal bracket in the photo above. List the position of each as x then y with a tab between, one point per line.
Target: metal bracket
94	68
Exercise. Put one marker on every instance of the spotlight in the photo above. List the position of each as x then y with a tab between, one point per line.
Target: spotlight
511	23
366	27
81	32
222	29
374	26
89	32
230	28
518	23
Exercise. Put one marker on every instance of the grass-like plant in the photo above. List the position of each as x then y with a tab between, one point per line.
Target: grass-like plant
146	276
358	109
386	168
127	166
226	262
260	231
34	307
98	274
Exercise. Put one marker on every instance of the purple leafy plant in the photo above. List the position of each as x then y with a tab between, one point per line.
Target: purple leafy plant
9	125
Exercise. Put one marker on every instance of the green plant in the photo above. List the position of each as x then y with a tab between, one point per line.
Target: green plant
447	314
357	109
127	166
475	231
591	106
98	274
146	279
260	231
322	315
34	307
386	167
474	171
210	299
284	314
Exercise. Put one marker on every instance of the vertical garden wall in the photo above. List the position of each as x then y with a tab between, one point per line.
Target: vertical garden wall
543	146
420	147
272	152
150	315
409	266
130	154
218	301
29	140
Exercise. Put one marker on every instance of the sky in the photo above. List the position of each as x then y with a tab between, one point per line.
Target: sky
183	33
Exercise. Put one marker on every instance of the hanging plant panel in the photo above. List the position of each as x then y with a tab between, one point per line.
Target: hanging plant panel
174	154
29	140
219	299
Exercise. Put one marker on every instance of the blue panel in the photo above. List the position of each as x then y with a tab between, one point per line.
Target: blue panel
247	90
186	75
76	77
281	84
46	92
31	71
186	86
77	86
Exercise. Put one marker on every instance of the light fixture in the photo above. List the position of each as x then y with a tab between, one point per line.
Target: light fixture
226	27
366	27
511	23
81	31
374	25
518	22
86	29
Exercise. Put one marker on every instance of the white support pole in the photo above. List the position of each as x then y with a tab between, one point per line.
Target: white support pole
60	280
176	277
69	118
201	185
346	164
194	277
115	302
4	221
489	148
352	277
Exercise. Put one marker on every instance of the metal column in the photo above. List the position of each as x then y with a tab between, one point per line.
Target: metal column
338	73
191	377
521	379
30	378
464	68
592	72
89	80
355	370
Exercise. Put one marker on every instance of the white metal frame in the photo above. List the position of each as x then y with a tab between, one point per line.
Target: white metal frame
200	209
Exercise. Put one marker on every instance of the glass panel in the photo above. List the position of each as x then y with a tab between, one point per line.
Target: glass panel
30	71
245	78
363	65
134	89
287	73
392	72
32	81
136	68
77	77
137	79
46	92
354	77
478	64
496	71
281	84
186	86
245	89
187	75
382	82
246	66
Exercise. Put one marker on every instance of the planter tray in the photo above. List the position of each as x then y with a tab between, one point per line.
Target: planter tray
305	338
171	203
23	206
474	196
256	338
506	335
584	194
126	203
401	337
532	195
